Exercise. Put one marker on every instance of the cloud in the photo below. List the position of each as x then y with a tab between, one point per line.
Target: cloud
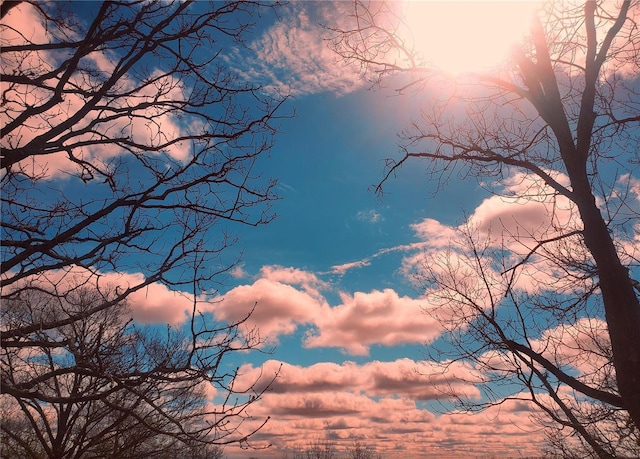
275	308
369	216
376	402
526	210
378	317
506	229
405	378
583	345
293	57
344	267
626	202
424	380
149	125
238	272
275	304
434	233
153	304
527	213
284	298
309	282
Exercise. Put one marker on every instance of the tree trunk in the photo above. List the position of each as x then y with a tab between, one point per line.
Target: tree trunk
621	306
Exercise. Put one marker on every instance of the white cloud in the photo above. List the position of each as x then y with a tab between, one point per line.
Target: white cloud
370	216
293	57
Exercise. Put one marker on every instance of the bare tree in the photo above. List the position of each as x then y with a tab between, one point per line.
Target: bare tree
315	449
543	344
125	143
128	150
563	119
326	449
101	386
360	450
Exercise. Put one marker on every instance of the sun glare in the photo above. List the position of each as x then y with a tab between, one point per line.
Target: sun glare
466	36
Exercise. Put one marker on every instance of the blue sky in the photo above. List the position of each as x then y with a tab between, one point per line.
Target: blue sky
327	158
331	276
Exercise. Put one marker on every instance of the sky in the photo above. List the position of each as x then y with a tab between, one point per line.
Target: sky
331	276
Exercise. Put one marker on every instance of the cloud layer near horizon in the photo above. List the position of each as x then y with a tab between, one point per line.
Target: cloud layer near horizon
378	403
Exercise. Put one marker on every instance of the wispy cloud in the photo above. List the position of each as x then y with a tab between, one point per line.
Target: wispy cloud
370	216
342	269
293	57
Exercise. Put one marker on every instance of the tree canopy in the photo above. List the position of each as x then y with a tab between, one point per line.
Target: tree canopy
128	154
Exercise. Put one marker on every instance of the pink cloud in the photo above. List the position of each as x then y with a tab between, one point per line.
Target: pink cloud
238	272
378	317
376	403
277	308
137	127
423	380
344	267
286	298
434	233
309	282
526	212
628	192
582	345
153	304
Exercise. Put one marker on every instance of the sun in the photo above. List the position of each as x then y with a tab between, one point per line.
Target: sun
466	36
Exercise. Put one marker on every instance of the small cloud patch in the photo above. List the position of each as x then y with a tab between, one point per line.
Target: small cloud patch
370	216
